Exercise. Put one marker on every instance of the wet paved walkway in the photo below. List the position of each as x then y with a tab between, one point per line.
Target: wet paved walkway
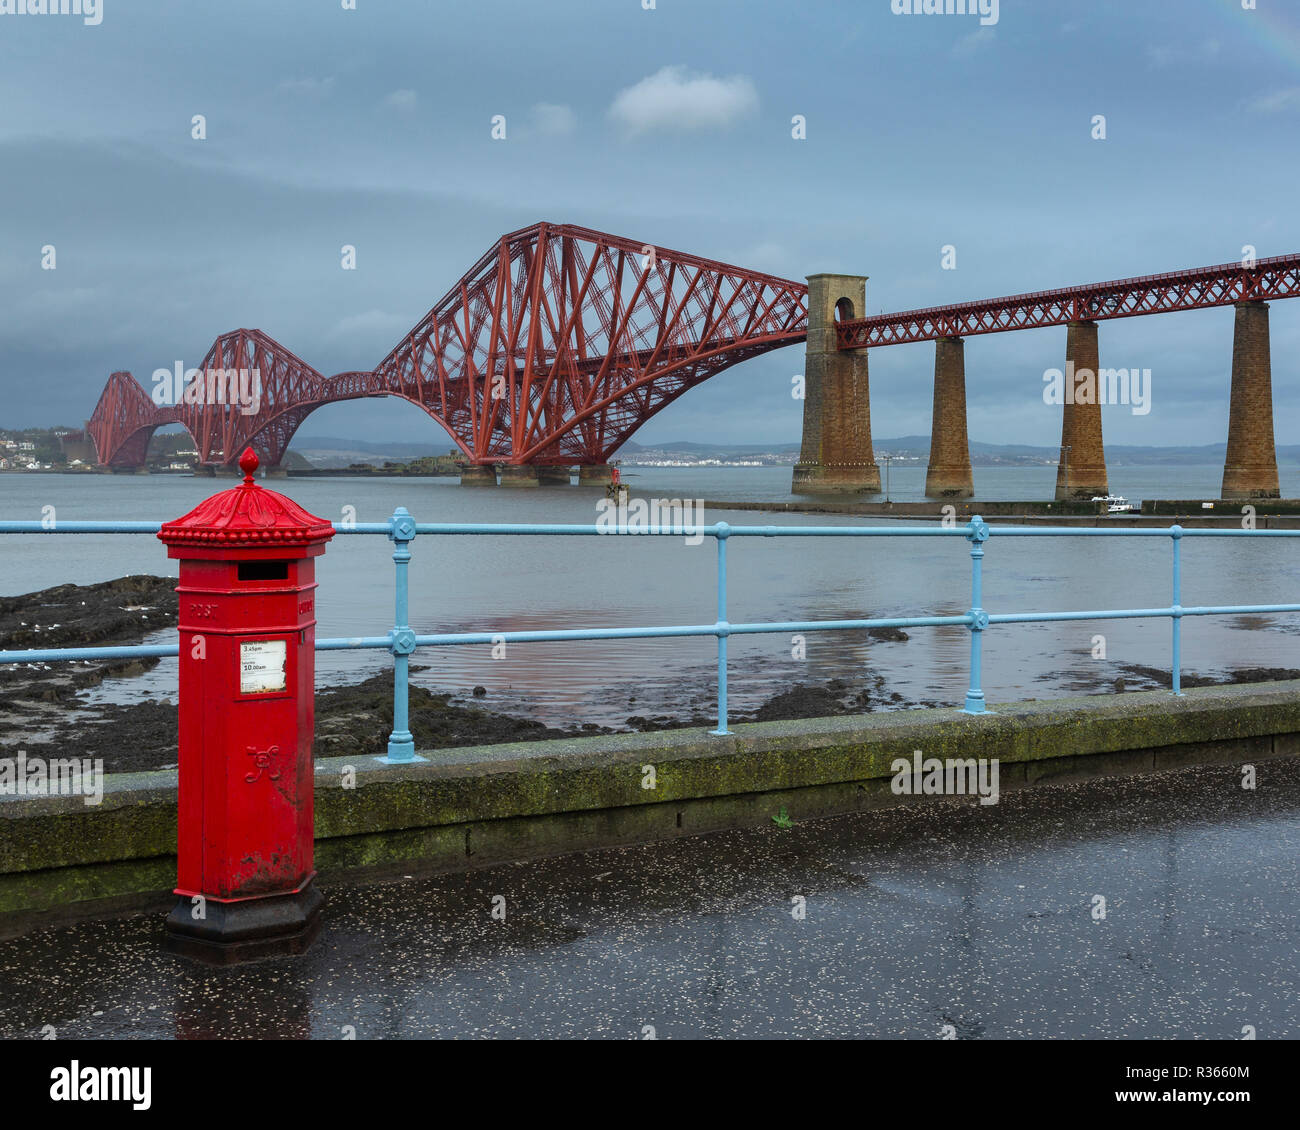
956	919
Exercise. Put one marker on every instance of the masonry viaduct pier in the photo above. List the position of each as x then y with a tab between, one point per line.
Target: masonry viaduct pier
837	456
560	342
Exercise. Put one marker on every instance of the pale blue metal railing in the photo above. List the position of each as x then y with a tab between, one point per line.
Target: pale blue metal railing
402	640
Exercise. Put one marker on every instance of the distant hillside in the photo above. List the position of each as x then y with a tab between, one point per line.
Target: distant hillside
296	461
918	446
329	452
709	450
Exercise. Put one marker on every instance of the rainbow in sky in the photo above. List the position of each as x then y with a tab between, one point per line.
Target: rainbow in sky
1268	25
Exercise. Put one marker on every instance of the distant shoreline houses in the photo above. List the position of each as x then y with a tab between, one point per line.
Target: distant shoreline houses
641	461
68	449
19	455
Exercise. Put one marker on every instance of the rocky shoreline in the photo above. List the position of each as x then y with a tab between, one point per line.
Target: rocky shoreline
42	711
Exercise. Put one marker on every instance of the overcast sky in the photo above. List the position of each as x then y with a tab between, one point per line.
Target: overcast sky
372	127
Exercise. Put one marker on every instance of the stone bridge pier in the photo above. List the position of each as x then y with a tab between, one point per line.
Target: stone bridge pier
836	455
1081	472
949	473
1250	467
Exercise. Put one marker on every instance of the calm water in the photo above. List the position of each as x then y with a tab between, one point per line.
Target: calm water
501	583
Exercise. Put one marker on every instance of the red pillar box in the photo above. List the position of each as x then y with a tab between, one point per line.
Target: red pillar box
247	673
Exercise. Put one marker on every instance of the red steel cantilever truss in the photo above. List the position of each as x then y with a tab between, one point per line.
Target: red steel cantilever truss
1195	289
250	390
561	341
553	348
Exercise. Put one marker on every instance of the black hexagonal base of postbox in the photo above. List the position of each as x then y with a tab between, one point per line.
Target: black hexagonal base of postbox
232	933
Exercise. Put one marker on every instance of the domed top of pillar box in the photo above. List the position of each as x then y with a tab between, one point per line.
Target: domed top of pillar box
249	522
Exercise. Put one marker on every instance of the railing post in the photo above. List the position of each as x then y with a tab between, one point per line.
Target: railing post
401	743
721	532
977	532
1176	532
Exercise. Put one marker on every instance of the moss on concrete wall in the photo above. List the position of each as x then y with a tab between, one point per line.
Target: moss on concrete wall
469	807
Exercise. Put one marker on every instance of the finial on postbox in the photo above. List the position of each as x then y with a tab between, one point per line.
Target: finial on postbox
248	463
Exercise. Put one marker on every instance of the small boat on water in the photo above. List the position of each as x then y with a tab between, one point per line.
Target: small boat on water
1115	503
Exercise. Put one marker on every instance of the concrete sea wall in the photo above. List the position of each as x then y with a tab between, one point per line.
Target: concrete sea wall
472	807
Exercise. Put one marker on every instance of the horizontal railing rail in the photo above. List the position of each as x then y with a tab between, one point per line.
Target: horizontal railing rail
402	640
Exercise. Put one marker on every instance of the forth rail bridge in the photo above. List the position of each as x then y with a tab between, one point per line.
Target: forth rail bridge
560	342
